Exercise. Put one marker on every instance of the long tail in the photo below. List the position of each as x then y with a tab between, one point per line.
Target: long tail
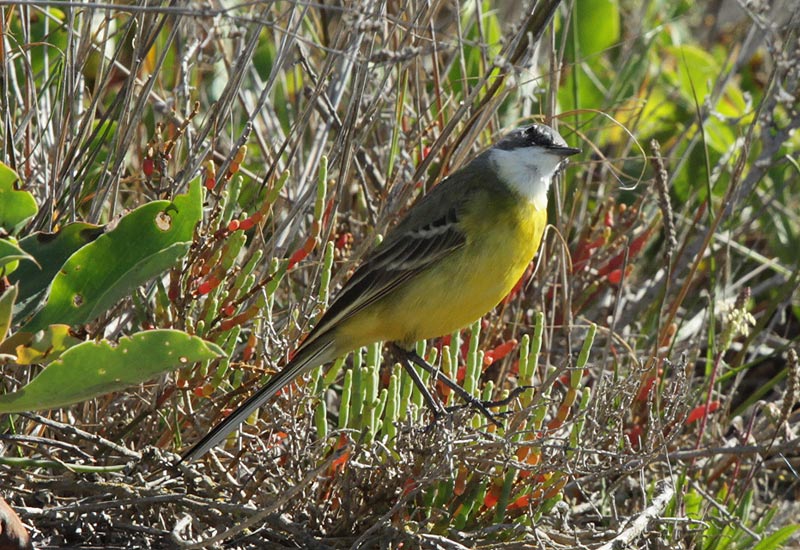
320	351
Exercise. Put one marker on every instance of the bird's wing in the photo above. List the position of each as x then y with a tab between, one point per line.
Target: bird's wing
390	266
416	243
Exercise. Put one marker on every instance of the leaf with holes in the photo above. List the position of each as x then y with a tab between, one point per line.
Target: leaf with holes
50	250
94	368
144	244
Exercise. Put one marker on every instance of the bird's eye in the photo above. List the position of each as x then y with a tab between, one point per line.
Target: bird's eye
537	137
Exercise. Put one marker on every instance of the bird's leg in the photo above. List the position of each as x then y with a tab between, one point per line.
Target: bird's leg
471	401
426	394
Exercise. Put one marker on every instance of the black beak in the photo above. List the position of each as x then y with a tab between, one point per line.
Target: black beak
563	151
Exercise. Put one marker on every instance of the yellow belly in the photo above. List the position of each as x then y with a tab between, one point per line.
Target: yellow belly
462	288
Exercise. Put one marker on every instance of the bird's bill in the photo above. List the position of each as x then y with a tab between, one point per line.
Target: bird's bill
563	151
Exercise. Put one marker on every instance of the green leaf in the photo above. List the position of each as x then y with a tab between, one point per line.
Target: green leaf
41	347
10	255
585	85
96	368
697	72
777	539
264	54
592	37
50	250
145	243
6	305
483	39
693	505
719	137
97	152
46	39
16	207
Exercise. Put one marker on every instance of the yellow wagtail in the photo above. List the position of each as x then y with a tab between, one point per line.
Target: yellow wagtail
457	253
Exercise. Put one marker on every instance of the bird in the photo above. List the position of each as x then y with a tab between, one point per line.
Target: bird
457	252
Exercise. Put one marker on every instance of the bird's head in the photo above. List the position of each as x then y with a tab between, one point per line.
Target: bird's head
527	159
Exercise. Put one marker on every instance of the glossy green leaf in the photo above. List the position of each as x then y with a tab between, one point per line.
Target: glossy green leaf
10	255
144	244
16	207
50	250
94	368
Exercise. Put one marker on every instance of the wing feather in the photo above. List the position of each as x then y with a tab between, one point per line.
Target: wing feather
391	266
412	246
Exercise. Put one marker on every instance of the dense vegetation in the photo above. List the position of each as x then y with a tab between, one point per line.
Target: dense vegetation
212	175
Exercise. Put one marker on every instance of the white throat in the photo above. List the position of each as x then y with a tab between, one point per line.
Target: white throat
527	170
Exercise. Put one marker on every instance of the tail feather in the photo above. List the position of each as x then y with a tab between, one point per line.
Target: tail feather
307	358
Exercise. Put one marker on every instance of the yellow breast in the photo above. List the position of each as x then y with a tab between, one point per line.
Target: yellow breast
501	242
